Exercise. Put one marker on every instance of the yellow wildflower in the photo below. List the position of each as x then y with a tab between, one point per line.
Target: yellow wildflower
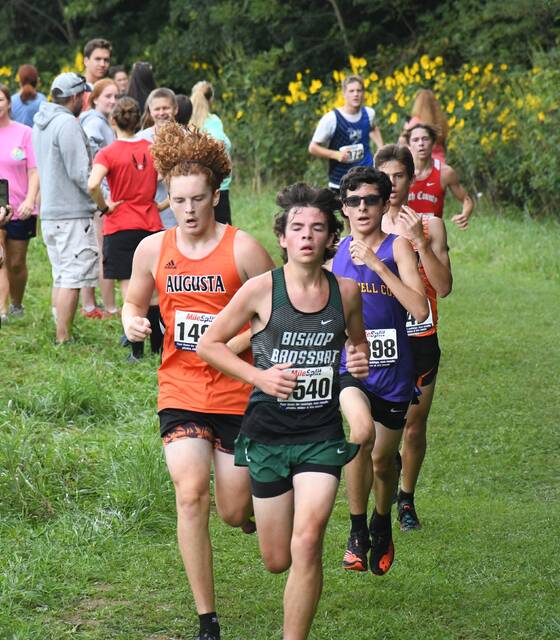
239	114
540	116
468	105
450	106
315	86
393	118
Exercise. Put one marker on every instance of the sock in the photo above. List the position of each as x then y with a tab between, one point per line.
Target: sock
156	337
90	307
404	496
137	349
209	622
380	523
358	522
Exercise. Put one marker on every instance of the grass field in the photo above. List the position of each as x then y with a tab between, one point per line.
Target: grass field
87	516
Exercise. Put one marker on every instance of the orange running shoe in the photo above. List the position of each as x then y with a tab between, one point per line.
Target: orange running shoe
382	552
355	556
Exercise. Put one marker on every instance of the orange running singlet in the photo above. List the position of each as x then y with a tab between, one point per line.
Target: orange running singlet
427	196
191	293
429	325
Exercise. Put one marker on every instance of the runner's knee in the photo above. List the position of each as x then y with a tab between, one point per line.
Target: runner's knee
276	560
191	499
307	545
383	464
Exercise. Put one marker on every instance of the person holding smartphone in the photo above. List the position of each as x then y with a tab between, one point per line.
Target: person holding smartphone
19	189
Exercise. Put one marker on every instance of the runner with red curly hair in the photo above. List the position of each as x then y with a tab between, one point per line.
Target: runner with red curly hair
196	268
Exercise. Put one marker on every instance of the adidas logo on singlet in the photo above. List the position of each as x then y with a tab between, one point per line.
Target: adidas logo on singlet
170	265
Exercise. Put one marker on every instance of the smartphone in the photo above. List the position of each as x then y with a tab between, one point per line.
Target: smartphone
4	193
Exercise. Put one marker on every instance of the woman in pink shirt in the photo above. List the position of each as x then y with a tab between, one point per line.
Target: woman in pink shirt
17	165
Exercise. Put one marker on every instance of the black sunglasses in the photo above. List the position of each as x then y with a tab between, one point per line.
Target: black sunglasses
370	200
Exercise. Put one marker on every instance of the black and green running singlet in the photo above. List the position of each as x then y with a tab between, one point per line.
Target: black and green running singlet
312	343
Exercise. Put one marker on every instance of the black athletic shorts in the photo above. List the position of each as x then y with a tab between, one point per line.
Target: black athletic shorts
391	414
426	355
118	251
21	229
220	429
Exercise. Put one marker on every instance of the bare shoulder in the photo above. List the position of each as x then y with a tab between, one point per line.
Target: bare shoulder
147	252
348	288
251	257
448	175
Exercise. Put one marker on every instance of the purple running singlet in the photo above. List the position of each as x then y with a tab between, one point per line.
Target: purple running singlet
391	370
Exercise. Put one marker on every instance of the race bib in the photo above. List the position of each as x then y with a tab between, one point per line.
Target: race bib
189	327
313	388
413	328
356	151
383	348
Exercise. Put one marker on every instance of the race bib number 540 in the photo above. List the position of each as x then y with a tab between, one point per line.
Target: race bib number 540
383	347
313	388
189	327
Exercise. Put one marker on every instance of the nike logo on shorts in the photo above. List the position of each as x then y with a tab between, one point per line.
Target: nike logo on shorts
341	451
397	410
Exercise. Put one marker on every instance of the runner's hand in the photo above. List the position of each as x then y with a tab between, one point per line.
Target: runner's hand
276	381
411	223
360	252
461	220
357	363
344	155
138	329
5	215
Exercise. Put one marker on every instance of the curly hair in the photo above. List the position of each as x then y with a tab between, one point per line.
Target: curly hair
180	151
299	195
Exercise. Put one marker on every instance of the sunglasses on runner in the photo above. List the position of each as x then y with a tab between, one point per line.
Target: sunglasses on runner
370	200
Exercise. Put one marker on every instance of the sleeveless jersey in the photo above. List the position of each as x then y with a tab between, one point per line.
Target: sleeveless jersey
391	372
312	342
427	196
356	135
428	326
191	293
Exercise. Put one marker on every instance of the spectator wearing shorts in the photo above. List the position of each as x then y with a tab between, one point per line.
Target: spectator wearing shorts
95	122
292	440
196	268
131	213
63	161
428	237
343	135
18	167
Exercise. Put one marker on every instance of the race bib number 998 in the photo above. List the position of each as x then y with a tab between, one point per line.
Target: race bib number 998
383	347
313	388
189	327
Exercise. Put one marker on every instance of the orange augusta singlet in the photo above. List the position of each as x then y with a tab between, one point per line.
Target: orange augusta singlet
191	293
428	326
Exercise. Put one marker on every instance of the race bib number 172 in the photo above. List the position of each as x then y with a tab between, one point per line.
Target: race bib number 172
189	328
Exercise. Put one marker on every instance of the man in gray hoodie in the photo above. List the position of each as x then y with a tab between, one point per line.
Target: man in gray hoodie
63	161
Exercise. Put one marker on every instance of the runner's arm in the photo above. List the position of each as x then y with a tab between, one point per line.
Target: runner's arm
140	289
213	348
376	137
449	178
357	346
432	250
407	287
251	258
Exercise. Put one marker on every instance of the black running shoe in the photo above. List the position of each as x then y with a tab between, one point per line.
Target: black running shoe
382	552
206	635
355	556
406	515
